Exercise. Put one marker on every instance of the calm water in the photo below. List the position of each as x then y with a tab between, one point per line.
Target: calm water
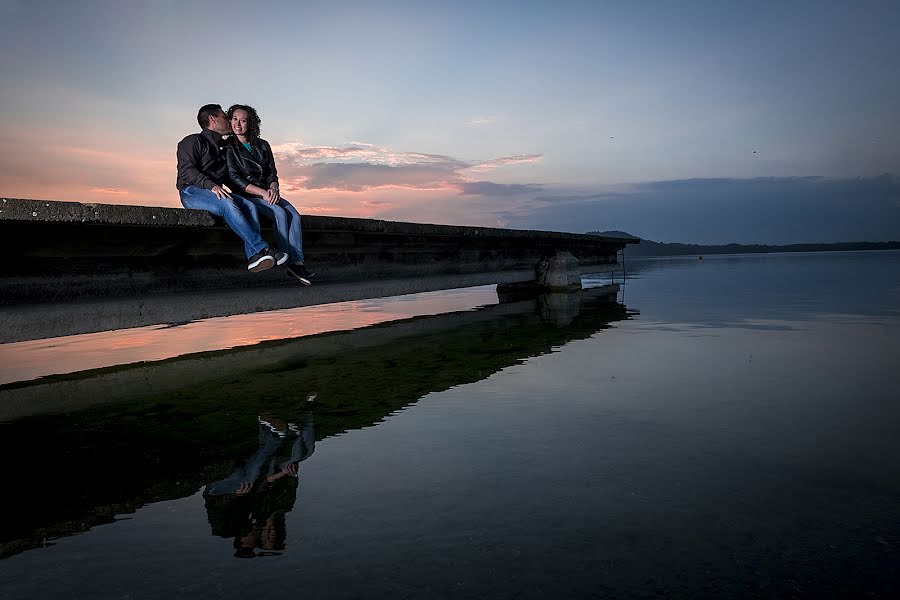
721	428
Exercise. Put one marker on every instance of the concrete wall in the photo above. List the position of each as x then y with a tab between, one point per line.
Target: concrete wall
130	260
111	250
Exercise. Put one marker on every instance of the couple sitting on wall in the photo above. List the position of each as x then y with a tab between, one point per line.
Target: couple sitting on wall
211	166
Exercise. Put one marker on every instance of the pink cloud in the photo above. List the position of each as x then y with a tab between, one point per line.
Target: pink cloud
361	167
112	191
495	163
319	209
358	152
378	203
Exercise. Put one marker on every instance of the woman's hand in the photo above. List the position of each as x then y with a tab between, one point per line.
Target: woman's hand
268	195
273	189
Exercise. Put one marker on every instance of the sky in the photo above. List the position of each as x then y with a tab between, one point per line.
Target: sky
703	122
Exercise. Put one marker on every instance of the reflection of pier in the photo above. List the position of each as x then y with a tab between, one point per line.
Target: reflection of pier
143	433
76	268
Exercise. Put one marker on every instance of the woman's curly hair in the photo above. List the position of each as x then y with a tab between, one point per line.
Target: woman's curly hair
253	120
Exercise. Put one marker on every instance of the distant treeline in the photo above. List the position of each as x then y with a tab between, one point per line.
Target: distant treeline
651	248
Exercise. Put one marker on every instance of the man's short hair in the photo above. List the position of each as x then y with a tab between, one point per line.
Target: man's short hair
206	111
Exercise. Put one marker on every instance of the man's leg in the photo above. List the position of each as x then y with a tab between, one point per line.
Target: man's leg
245	225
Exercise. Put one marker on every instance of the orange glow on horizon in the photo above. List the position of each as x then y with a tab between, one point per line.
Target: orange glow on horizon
109	169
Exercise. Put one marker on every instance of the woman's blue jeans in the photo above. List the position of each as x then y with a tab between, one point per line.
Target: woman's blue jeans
286	221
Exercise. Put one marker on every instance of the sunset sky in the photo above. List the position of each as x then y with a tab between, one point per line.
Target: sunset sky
687	121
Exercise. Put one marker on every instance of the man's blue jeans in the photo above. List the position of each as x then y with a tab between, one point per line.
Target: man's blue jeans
239	213
286	221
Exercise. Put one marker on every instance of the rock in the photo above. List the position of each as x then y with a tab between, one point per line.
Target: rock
559	308
559	272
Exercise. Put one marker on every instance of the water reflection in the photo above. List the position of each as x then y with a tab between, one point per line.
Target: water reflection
660	457
22	361
250	504
128	436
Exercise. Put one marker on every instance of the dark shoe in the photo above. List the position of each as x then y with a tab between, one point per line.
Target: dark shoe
280	258
299	271
261	261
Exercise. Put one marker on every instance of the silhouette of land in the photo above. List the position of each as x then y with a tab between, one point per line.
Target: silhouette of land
651	248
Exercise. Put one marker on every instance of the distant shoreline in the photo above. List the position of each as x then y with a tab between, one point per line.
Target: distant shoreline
650	248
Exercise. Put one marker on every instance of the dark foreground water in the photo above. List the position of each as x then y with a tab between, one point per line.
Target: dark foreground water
721	428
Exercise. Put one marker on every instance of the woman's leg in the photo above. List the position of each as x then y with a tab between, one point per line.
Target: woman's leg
294	233
280	221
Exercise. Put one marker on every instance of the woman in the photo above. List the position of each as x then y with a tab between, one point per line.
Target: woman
251	166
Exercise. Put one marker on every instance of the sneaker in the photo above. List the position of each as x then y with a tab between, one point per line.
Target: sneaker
273	424
261	261
299	271
280	258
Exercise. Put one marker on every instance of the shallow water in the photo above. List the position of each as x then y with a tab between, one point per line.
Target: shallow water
25	361
727	428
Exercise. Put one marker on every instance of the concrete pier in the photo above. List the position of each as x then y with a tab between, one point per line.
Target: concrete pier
93	267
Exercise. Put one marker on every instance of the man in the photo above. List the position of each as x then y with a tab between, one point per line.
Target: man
202	177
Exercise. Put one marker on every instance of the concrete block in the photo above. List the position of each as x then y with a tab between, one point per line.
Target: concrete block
559	272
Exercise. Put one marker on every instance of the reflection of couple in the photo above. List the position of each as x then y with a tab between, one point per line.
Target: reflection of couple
249	505
208	165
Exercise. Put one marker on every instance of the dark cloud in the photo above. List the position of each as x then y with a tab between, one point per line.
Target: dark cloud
771	210
576	198
489	188
298	155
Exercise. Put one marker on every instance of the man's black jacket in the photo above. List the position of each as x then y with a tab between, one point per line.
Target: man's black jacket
256	166
201	161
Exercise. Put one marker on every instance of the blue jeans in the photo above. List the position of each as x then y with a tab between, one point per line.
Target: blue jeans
239	213
286	220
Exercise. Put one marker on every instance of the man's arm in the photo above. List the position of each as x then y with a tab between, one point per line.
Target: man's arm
188	157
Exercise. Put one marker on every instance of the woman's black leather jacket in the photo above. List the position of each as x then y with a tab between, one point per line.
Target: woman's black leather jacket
256	166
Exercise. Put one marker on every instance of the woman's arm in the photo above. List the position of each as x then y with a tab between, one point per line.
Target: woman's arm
240	179
258	191
272	180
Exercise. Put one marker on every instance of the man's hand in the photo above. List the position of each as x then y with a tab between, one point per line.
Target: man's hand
220	193
271	196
